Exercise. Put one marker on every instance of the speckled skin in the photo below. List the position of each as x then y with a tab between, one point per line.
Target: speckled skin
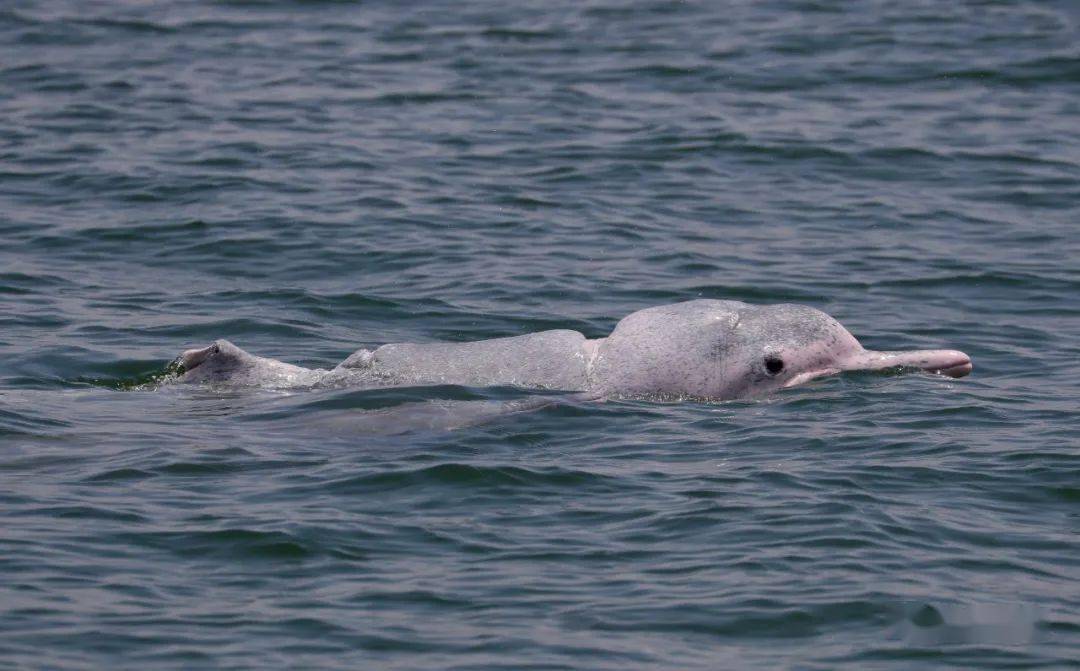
706	349
546	360
225	363
721	350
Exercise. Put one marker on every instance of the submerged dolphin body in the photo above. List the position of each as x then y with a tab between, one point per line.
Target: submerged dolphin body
708	349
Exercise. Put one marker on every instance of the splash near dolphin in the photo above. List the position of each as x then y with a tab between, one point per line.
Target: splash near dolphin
705	349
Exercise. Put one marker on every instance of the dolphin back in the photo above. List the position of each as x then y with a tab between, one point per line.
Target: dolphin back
667	350
547	360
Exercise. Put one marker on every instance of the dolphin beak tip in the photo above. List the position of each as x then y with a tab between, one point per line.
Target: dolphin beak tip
960	368
952	364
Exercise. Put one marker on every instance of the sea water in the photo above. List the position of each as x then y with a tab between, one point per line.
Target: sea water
309	178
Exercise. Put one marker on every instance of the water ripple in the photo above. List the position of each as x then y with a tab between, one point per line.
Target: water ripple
306	182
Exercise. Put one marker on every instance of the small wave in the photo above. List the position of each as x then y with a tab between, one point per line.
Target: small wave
87	512
239	543
129	380
120	475
474	477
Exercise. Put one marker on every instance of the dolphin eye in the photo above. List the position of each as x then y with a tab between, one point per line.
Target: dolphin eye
773	365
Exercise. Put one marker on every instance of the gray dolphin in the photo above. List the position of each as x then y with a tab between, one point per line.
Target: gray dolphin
707	349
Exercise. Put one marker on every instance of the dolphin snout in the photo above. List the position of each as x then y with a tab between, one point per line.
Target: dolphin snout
948	362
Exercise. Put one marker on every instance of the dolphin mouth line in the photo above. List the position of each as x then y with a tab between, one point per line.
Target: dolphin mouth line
802	378
955	367
958	369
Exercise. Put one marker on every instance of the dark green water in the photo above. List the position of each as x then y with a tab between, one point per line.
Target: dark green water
306	178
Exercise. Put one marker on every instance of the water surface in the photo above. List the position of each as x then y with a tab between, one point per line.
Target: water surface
306	178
